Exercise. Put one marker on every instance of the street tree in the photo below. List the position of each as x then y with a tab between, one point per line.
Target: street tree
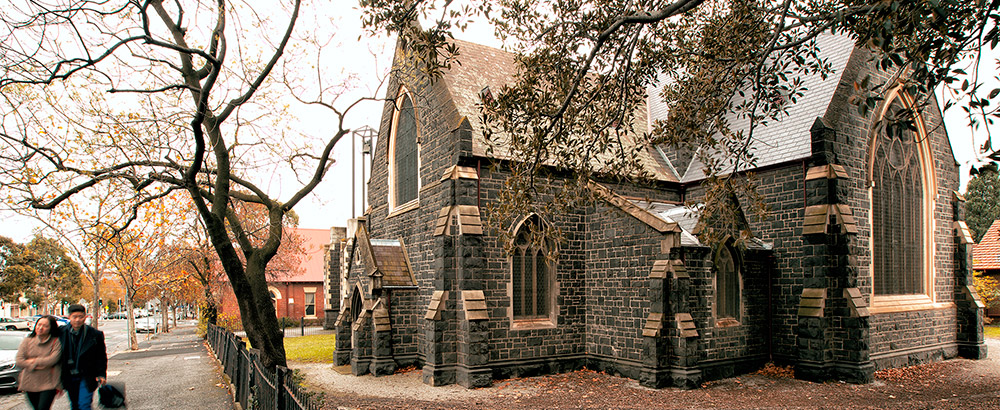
585	69
57	277
16	271
82	227
982	199
160	97
200	262
140	258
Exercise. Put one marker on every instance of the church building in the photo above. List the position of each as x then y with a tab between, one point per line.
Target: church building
863	263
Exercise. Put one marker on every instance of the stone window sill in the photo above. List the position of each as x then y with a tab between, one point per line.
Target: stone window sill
905	303
404	208
532	324
727	322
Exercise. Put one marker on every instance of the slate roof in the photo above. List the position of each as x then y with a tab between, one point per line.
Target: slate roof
674	213
789	138
687	219
483	66
392	262
986	254
387	256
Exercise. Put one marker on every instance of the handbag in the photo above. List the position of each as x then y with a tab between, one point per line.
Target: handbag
112	395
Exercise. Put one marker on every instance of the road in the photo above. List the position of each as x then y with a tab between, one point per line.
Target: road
116	340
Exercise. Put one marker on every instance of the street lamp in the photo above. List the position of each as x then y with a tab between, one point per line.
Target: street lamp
366	134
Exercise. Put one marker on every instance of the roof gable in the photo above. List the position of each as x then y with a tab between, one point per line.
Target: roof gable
387	256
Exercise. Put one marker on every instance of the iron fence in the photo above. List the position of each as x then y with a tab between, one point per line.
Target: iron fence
256	387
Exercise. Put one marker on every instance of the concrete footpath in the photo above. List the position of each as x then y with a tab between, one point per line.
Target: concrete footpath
169	371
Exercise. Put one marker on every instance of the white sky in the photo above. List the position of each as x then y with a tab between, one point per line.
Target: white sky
330	204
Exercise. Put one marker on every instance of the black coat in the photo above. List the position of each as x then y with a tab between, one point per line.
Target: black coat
93	356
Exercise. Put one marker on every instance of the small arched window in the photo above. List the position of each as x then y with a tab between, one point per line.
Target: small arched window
899	201
357	304
531	273
404	182
727	284
275	295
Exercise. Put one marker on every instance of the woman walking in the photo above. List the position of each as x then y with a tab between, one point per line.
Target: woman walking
38	357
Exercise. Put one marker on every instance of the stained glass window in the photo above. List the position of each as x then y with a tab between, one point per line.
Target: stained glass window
727	284
897	205
531	274
404	150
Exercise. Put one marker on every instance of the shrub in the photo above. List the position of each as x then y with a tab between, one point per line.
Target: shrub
230	322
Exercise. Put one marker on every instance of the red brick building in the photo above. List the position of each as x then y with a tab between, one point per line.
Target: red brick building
300	294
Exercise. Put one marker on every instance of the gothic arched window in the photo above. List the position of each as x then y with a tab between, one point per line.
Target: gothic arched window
531	273
404	181
899	201
727	284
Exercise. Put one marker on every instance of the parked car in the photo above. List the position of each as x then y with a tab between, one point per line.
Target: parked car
118	315
62	320
148	324
9	342
7	323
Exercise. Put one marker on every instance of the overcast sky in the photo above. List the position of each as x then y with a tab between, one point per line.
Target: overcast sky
369	58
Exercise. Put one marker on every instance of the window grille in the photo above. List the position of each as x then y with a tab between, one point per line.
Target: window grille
897	206
405	170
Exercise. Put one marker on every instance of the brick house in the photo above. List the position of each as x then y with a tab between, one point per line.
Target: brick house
986	258
300	294
863	263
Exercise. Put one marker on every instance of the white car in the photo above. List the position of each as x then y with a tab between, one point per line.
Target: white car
147	324
9	342
7	323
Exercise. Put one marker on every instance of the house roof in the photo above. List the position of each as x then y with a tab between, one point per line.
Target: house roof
788	138
483	66
986	254
312	264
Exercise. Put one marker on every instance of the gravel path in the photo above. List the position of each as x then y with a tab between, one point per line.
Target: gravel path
953	384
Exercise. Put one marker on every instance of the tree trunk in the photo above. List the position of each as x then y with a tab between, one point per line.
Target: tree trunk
210	312
257	312
96	311
164	309
133	342
250	287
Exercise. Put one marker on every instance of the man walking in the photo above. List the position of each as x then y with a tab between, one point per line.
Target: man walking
84	359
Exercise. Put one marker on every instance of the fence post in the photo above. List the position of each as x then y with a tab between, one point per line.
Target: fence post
238	378
247	376
302	326
279	387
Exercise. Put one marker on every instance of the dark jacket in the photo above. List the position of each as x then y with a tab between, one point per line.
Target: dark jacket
93	355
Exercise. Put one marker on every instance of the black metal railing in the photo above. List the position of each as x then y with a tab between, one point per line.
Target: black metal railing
255	386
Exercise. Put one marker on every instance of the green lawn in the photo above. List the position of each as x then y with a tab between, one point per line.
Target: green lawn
992	331
312	348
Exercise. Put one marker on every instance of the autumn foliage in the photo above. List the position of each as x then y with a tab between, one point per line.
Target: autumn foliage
988	288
